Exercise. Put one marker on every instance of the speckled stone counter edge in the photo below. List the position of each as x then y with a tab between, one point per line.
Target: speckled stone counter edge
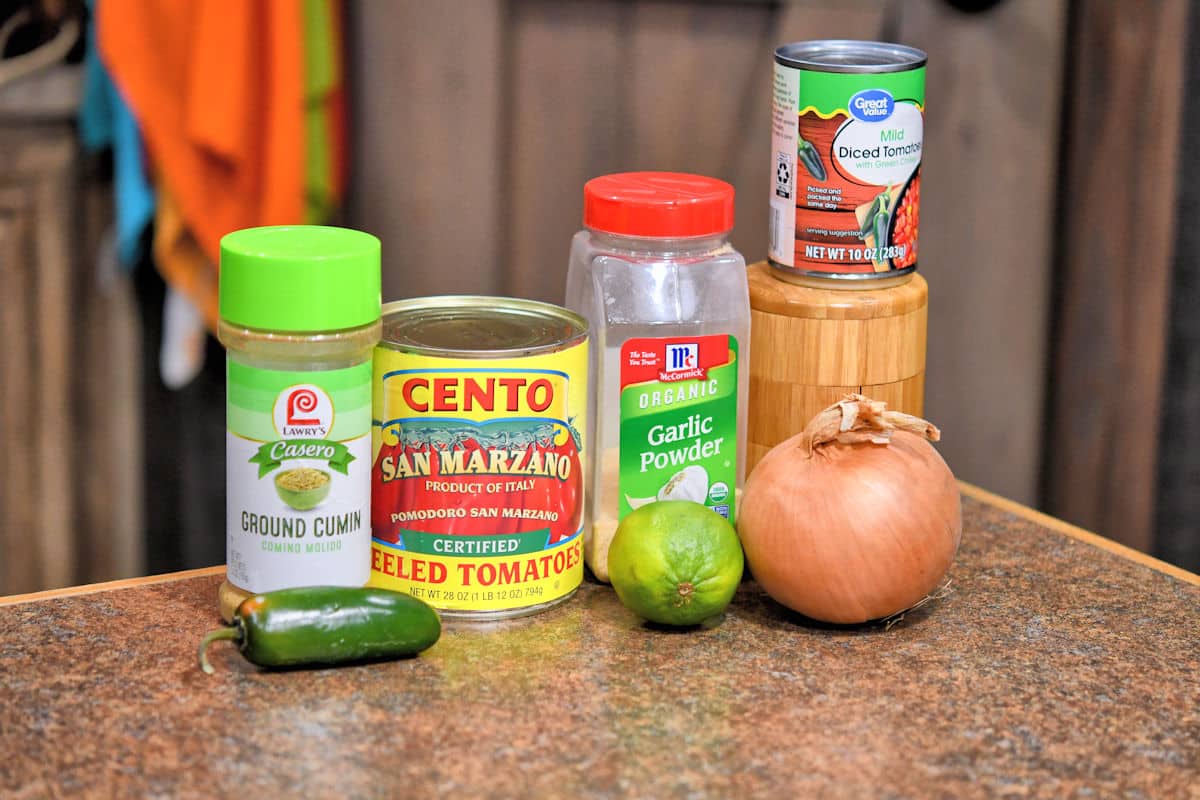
983	495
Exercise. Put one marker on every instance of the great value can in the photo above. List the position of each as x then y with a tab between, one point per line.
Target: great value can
480	410
847	133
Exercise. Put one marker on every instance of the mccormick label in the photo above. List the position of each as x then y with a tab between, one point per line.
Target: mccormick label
477	483
679	422
846	170
297	463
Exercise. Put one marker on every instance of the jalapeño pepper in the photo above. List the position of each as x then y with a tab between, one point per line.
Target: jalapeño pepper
882	218
811	159
868	223
327	625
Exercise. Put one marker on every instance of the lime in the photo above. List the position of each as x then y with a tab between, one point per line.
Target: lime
675	562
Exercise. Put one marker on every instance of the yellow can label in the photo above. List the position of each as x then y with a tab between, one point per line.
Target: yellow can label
478	479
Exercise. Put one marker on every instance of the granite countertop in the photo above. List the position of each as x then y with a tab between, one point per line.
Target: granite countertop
1053	668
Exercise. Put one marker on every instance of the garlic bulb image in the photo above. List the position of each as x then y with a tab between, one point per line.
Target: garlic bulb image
690	483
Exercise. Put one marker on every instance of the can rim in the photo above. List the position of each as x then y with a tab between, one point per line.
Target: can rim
863	280
481	307
851	56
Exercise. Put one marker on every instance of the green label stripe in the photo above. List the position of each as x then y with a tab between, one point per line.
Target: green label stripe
251	394
271	380
679	396
257	399
830	92
271	455
436	544
260	427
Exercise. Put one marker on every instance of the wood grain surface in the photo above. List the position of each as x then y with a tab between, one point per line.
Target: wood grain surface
70	494
1123	118
988	206
20	554
560	92
811	347
429	82
1177	506
50	164
39	166
689	69
109	358
832	338
569	79
476	123
596	86
774	296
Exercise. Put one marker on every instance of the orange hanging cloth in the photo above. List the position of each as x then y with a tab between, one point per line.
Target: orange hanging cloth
218	90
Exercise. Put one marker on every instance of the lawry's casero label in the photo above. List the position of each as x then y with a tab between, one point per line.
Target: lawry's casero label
477	479
679	422
846	150
297	464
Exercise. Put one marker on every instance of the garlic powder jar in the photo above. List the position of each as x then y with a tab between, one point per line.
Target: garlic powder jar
666	296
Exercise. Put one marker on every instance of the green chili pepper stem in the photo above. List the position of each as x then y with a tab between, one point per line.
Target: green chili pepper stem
232	633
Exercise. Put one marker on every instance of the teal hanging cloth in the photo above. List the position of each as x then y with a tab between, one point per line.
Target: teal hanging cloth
106	121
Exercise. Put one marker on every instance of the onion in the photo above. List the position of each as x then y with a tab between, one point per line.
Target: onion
856	518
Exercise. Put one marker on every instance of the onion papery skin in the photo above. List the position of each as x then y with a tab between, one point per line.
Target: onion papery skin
856	532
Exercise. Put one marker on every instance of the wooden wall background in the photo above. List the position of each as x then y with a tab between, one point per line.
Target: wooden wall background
70	419
1177	519
478	122
1114	271
1054	230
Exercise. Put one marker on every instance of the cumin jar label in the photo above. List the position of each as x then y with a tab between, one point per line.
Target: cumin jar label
480	409
298	455
847	140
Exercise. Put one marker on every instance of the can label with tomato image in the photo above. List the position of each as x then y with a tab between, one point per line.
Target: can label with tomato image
847	141
478	468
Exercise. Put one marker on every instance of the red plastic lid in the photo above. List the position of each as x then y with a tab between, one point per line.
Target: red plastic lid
658	204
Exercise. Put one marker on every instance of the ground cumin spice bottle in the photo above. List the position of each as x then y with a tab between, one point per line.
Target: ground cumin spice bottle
300	312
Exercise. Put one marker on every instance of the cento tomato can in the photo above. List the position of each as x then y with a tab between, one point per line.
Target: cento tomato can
480	411
847	132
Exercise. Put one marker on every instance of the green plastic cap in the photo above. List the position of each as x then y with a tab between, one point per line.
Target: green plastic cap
303	278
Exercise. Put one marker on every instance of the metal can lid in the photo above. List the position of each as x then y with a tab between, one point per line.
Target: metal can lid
850	56
476	326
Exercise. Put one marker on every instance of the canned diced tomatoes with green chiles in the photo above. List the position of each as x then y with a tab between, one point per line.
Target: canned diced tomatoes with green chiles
848	135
